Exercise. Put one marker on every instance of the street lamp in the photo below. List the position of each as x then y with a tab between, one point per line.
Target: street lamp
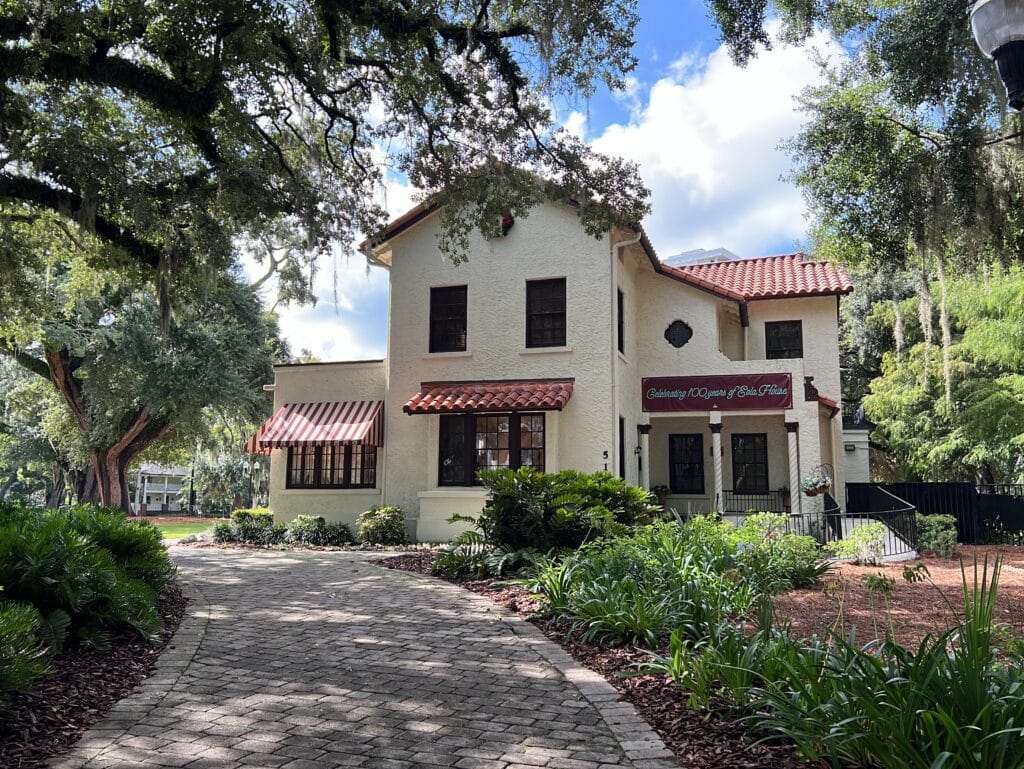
998	27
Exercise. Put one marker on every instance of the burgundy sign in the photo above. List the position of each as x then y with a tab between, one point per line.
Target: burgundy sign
729	392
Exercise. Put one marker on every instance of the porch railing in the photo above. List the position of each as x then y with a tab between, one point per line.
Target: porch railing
754	501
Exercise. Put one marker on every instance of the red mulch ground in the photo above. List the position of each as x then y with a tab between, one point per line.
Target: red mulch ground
699	740
843	602
50	718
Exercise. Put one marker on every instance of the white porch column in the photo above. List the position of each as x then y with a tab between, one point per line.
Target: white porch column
645	456
716	456
795	494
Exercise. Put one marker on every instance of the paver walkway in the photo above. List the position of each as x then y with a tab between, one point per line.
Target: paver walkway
320	659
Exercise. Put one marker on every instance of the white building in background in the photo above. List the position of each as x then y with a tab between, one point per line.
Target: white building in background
158	489
718	380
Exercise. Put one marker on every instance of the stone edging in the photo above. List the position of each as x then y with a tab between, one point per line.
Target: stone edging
641	744
172	663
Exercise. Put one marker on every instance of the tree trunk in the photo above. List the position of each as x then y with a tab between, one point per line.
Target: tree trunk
56	495
111	471
85	486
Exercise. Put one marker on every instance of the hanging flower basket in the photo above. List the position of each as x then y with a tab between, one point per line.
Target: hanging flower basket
816	484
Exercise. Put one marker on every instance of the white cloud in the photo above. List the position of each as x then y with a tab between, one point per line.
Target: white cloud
707	139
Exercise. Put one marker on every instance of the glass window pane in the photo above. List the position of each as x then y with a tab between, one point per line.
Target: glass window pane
448	319
452	470
686	463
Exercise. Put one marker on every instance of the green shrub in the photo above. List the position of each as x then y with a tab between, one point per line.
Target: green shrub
136	545
314	530
262	515
382	525
223	533
543	511
937	534
22	656
77	585
774	559
865	544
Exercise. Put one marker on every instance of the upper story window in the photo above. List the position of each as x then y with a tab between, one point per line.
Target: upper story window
621	318
448	319
784	339
545	313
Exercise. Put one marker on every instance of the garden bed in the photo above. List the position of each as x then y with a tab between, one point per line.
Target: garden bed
844	602
50	717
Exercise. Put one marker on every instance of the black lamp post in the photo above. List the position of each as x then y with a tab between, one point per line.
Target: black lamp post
998	27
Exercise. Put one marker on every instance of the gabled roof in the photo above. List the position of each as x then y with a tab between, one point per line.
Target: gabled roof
769	277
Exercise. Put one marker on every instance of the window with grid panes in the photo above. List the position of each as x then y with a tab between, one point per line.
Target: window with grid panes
545	313
473	442
783	339
448	319
750	462
350	466
686	463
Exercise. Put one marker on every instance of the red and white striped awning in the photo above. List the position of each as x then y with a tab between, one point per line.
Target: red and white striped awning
252	446
325	423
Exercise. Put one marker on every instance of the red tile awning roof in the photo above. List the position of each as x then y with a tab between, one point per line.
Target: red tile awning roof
830	404
322	424
769	277
499	395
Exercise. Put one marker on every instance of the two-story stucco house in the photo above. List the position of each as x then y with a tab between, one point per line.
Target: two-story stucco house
553	349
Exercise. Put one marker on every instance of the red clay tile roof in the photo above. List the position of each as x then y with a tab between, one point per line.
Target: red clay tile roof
455	397
769	277
829	403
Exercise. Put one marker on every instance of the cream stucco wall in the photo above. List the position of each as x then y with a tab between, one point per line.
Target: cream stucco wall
548	244
856	463
324	382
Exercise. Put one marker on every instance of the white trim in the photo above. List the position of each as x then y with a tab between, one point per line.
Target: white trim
543	350
455	354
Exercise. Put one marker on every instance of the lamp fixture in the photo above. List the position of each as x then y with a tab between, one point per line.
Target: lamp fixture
998	27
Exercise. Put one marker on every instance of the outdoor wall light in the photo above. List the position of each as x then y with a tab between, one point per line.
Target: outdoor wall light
998	27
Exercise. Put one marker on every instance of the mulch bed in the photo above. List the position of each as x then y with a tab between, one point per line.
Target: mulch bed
84	685
699	740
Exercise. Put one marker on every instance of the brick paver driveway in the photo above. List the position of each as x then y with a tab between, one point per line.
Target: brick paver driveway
316	659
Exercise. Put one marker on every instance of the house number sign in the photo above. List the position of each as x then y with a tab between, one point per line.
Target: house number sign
727	392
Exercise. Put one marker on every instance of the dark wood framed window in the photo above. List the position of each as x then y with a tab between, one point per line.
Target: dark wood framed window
448	319
545	313
686	463
473	442
750	462
349	466
784	339
621	321
622	447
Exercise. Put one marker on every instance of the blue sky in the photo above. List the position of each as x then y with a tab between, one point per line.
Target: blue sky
705	133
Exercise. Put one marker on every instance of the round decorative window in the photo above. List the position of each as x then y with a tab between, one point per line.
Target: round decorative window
678	333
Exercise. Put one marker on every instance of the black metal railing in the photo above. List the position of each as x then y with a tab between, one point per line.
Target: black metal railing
1001	489
754	502
898	515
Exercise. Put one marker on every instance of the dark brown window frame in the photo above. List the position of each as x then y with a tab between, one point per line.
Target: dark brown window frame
469	459
444	316
535	337
346	452
698	450
782	353
746	489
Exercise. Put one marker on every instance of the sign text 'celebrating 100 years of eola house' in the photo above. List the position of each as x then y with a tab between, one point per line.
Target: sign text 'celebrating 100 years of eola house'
727	392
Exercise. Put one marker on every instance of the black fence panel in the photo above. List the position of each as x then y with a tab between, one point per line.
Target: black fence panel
957	499
1001	511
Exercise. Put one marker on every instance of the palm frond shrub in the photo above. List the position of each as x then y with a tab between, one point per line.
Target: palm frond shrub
136	546
22	655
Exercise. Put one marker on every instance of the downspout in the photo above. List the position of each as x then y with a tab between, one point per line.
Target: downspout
616	251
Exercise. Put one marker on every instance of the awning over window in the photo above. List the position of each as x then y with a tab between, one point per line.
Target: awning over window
498	395
324	423
252	446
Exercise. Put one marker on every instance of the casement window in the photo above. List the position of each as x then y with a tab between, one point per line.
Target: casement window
784	339
545	313
448	319
621	319
350	466
473	442
686	463
750	462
